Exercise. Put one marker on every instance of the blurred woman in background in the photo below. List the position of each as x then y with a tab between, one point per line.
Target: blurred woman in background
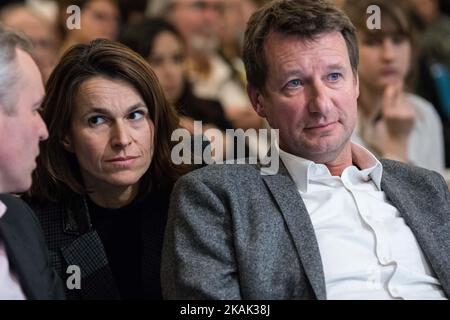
393	123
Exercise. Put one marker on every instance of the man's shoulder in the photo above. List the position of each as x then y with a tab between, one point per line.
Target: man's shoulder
225	171
20	216
12	201
414	176
222	177
17	209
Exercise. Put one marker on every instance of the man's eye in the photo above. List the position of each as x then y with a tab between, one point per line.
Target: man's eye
96	120
136	115
333	77
294	83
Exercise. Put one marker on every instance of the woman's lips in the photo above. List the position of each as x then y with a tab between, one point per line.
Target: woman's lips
123	161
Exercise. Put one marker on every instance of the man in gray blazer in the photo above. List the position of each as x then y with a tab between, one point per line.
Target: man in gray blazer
333	222
25	271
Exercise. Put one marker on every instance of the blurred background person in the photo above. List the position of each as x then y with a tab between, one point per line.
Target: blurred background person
39	29
103	178
392	122
163	47
100	19
434	61
199	21
235	16
132	11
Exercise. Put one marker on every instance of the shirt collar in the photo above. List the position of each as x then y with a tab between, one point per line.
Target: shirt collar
301	169
2	209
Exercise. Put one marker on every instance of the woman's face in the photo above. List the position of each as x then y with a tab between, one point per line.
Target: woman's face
168	62
111	134
383	61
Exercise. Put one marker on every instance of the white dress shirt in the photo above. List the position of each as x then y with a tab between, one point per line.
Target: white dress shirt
367	250
10	288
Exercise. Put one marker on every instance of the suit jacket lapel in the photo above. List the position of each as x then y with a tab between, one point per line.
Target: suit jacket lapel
299	225
17	256
87	252
430	233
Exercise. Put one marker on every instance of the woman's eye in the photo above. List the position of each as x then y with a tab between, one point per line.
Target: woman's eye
96	120
333	77
294	83
136	115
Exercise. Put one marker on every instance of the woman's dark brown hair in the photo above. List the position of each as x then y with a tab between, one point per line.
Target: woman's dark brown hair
58	175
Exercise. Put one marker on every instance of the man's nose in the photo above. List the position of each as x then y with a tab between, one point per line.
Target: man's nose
42	129
319	100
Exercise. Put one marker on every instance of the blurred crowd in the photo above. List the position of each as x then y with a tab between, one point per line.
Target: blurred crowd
194	47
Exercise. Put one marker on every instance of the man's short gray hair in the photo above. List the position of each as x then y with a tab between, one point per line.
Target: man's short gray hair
10	40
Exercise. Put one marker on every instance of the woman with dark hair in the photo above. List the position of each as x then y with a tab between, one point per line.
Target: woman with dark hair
103	178
393	122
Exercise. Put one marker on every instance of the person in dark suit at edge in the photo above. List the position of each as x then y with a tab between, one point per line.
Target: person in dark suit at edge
25	271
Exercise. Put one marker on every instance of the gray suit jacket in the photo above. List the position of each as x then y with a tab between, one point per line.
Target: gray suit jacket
236	234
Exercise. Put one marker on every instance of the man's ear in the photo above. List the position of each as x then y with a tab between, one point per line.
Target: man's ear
67	143
256	98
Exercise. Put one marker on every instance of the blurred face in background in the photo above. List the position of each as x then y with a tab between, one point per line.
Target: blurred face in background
111	134
428	10
168	61
41	33
384	59
198	21
99	19
385	54
232	20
